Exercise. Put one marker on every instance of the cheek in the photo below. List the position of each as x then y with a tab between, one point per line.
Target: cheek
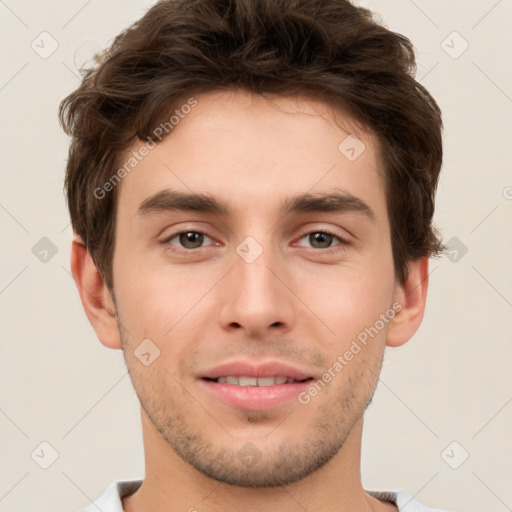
167	306
348	299
145	302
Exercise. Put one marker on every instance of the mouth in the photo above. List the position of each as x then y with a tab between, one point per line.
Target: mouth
245	380
250	386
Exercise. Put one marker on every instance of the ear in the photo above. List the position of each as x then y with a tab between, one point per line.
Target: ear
95	296
412	297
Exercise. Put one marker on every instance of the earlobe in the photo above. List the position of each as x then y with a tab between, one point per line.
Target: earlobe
412	298
95	296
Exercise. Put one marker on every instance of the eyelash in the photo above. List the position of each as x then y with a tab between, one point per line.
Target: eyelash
340	246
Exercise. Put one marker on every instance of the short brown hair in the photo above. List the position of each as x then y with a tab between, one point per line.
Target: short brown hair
328	48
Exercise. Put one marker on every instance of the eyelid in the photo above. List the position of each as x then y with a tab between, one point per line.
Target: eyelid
327	230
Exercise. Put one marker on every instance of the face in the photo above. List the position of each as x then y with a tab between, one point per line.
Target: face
276	268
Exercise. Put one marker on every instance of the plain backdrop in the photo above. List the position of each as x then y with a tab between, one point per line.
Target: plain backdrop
440	425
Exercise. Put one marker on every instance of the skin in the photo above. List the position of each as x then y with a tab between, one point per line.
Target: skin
296	303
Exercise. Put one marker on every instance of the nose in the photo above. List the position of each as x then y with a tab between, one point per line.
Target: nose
257	298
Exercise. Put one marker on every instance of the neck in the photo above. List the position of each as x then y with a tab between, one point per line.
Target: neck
170	484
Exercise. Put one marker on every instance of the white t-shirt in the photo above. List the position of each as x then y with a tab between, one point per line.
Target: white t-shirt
110	501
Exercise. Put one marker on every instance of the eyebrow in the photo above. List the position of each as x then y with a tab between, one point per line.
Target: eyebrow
172	200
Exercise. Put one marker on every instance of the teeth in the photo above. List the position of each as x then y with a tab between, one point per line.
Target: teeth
253	381
268	381
247	381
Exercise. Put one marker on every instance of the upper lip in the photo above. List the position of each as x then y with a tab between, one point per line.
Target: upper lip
255	369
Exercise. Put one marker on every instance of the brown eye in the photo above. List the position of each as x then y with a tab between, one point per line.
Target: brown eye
188	240
320	240
191	239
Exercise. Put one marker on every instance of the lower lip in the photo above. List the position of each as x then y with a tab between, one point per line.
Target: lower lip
256	398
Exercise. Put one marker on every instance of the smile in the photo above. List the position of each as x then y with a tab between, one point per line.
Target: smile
254	381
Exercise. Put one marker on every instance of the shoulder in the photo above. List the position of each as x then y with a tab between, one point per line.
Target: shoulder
402	500
110	500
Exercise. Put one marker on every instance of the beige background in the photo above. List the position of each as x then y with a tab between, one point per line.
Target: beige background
451	383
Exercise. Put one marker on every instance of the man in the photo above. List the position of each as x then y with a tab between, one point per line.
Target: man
251	184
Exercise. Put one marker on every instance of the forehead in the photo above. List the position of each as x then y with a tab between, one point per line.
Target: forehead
247	149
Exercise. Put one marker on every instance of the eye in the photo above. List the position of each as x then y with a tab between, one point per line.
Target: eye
322	239
188	239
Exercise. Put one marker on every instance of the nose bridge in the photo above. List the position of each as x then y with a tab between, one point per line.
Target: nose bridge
253	262
252	268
